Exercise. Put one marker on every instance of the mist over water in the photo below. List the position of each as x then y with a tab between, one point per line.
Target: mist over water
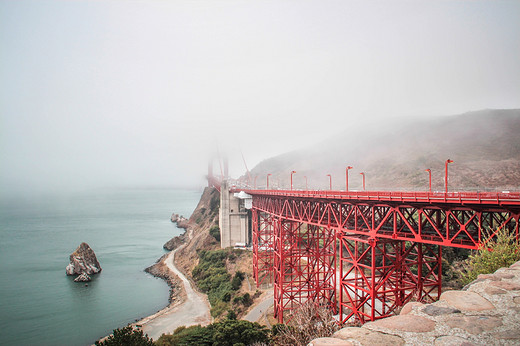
126	228
125	93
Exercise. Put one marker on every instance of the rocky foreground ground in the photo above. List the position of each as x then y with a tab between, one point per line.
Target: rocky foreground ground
486	312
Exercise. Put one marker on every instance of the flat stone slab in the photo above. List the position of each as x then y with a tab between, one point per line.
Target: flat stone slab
451	340
405	323
474	324
465	300
433	310
407	308
511	334
368	337
510	286
330	341
494	290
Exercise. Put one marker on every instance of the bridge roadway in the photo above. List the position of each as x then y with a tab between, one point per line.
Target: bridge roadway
383	245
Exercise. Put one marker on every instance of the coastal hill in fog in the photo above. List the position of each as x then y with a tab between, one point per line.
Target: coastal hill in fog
484	145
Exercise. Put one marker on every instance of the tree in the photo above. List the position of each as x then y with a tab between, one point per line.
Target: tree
127	336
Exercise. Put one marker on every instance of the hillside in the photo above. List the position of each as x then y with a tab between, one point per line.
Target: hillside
485	147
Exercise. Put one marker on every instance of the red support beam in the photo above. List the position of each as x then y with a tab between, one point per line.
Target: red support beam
263	247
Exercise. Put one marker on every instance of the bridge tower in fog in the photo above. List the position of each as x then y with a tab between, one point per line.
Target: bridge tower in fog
234	217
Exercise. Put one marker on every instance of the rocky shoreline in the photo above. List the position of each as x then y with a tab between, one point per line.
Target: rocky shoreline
160	270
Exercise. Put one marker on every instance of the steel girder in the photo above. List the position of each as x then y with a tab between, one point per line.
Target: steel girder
440	224
263	247
304	266
379	275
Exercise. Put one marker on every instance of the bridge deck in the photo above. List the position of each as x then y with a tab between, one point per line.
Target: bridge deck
457	198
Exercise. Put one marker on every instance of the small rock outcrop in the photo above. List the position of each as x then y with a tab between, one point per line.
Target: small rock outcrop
83	278
180	220
83	261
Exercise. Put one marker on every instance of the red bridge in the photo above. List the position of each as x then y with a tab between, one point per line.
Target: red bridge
364	254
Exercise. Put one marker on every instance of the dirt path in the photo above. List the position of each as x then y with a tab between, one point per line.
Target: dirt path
195	310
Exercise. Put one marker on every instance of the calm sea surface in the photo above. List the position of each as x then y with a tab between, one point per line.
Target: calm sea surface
126	228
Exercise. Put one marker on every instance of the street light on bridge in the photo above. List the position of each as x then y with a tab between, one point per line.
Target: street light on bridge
430	177
363	174
256	176
330	181
346	175
291	177
306	188
268	181
446	174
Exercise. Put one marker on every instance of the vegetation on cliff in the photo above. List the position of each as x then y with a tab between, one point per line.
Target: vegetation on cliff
213	278
500	250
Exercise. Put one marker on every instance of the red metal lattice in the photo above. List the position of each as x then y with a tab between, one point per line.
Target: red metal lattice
390	244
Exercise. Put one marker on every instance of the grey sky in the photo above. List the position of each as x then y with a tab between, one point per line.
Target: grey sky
140	92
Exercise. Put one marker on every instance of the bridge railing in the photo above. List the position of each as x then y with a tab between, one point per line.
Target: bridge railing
499	198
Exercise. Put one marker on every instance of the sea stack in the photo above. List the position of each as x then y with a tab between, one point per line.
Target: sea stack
83	261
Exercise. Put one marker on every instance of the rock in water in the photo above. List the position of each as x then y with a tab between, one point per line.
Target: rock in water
83	261
82	278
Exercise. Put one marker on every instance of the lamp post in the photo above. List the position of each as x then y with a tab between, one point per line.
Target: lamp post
430	177
291	177
363	174
306	188
346	176
330	181
268	180
256	176
446	174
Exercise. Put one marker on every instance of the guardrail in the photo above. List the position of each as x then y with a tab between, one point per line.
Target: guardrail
494	198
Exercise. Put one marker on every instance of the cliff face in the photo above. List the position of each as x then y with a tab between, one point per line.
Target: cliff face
83	261
197	236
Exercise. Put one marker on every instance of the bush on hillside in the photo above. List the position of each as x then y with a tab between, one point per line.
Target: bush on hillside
225	333
215	233
213	278
194	335
499	251
127	336
306	323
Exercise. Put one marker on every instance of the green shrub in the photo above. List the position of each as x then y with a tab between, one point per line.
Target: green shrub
213	278
194	335
127	336
502	250
218	308
215	232
237	280
229	332
232	332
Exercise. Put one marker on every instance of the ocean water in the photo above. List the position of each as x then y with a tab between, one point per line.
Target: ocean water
126	228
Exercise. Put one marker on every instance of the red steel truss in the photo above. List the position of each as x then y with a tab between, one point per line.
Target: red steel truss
304	266
447	224
390	244
379	275
263	243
